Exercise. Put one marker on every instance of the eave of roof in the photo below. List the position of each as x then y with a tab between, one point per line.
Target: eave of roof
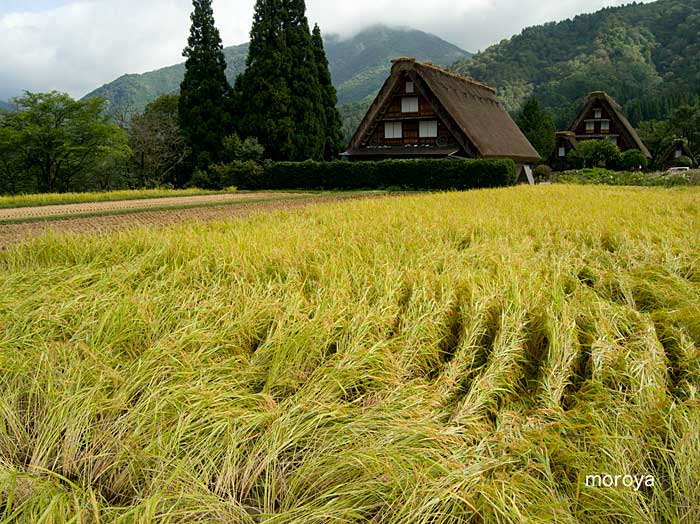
402	151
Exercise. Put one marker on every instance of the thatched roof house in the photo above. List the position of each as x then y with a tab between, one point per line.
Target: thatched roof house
565	142
602	118
426	111
679	148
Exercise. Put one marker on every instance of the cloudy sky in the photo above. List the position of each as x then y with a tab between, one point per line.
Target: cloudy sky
78	45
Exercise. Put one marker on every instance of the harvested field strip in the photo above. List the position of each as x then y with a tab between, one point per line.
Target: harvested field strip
27	214
433	359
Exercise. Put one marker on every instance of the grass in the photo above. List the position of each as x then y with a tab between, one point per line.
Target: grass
443	358
627	178
50	199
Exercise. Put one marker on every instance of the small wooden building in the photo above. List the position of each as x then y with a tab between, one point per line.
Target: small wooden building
565	142
602	118
678	149
424	111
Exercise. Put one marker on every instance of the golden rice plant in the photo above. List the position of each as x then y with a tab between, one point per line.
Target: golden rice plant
435	358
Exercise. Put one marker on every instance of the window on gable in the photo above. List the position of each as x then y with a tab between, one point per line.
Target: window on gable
613	139
679	153
409	87
393	130
598	113
428	129
605	126
562	151
590	127
409	104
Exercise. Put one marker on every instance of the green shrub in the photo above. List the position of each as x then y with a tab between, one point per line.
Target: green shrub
683	161
233	148
542	173
241	174
625	178
595	153
221	176
407	174
633	160
202	180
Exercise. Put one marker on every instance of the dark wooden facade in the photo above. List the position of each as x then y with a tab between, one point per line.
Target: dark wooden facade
602	118
410	121
565	142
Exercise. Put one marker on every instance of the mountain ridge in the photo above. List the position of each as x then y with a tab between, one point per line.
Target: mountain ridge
359	65
644	55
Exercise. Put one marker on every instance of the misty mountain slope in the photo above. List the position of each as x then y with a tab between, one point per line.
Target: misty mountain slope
647	56
359	65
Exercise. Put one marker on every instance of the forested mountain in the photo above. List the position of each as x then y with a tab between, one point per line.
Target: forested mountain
4	105
132	92
359	65
647	56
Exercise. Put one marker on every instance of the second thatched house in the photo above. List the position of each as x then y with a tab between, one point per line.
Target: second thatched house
677	154
424	111
602	118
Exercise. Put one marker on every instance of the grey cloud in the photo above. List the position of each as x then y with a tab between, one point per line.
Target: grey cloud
81	45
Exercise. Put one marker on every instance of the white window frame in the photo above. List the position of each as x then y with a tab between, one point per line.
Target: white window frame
410	104
605	126
613	139
590	127
410	87
393	130
679	153
562	152
598	113
428	129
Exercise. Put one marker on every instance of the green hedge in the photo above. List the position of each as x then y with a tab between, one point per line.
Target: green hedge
626	178
405	174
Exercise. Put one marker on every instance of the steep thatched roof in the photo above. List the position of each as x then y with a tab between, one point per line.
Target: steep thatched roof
488	129
616	109
668	157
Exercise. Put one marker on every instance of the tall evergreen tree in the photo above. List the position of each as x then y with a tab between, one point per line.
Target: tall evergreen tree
334	125
304	86
204	111
261	93
279	97
538	126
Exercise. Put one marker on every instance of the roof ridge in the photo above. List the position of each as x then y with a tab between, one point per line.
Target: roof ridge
453	74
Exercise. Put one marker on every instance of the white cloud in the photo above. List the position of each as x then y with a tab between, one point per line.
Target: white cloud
82	44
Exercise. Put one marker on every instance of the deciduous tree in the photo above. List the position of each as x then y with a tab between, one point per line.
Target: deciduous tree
157	142
58	141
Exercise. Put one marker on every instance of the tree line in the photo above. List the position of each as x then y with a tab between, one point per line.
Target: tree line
282	108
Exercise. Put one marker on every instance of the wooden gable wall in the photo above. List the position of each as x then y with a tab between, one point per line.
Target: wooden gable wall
616	129
410	122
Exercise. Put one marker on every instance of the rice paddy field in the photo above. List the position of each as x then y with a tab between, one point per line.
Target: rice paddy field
436	358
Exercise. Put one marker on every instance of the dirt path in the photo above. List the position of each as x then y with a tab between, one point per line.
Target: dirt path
13	233
122	205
